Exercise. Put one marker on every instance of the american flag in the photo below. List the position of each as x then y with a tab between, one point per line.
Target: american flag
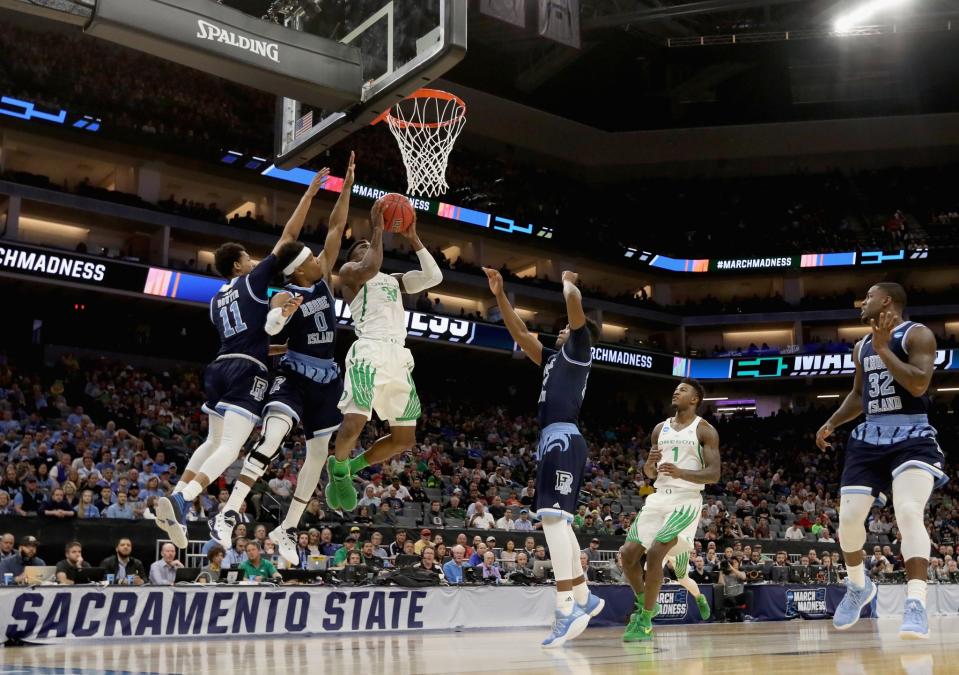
303	125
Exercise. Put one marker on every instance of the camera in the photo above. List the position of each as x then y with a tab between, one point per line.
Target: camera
725	567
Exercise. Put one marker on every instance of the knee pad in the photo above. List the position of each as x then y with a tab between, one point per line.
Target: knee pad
275	429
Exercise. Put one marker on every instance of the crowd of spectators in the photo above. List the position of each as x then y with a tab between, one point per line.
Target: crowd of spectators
184	110
98	440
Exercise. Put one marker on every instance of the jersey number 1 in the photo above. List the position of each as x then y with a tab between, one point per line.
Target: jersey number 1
675	455
228	330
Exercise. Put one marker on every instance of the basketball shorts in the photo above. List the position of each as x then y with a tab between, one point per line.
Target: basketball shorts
310	403
379	376
235	383
666	515
560	465
881	449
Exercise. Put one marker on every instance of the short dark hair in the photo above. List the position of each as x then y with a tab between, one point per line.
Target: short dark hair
287	253
895	292
225	257
123	539
349	253
695	384
71	544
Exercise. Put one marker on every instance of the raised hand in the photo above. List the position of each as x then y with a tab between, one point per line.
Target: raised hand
882	330
317	182
571	277
495	280
291	306
350	168
825	431
376	215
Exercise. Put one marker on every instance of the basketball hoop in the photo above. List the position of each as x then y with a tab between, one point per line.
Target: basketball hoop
426	125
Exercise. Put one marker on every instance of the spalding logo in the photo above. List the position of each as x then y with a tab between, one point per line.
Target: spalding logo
210	31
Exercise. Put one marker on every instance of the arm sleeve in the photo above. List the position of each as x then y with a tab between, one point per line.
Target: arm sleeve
416	281
577	348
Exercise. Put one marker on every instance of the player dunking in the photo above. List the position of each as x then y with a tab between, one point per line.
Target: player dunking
307	386
236	382
562	452
379	368
895	447
683	458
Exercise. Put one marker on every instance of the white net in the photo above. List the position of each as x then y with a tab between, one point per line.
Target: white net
426	127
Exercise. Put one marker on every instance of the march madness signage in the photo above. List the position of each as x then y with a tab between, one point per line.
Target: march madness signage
55	615
673	606
64	266
808	603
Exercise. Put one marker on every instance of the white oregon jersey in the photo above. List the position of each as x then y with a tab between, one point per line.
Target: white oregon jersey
377	310
682	448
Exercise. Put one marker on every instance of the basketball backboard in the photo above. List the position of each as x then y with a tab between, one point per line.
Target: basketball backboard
405	45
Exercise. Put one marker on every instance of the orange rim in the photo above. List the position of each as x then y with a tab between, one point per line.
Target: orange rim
425	93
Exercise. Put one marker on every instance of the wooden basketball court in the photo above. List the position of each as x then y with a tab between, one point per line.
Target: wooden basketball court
781	648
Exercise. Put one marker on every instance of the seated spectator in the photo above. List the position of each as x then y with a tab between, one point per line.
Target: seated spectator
481	519
123	565
120	509
196	513
256	567
524	524
396	548
368	557
214	565
523	561
85	508
698	573
795	532
454	510
385	516
312	514
58	506
489	568
479	552
29	500
376	539
592	550
428	562
588	570
67	568
163	571
7	541
26	556
453	569
363	516
7	507
339	558
434	516
236	556
369	497
825	536
508	556
506	522
423	541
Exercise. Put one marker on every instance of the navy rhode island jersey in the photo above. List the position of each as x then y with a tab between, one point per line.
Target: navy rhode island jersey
239	309
564	379
311	330
881	394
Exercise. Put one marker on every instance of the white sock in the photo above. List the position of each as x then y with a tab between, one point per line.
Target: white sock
239	493
857	575
581	593
317	450
691	586
191	491
916	590
179	487
564	602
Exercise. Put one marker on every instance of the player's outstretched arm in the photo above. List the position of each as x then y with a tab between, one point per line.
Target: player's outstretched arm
849	409
291	232
417	281
574	300
916	373
528	342
334	234
712	469
355	274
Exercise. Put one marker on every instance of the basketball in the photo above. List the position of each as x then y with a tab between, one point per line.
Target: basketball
398	213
